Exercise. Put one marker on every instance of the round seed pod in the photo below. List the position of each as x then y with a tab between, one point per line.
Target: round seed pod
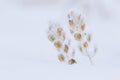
83	27
71	61
66	48
85	44
51	37
77	36
61	57
58	44
59	31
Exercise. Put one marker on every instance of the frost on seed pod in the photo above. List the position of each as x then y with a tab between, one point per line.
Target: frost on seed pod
66	48
58	44
51	37
71	61
85	44
83	27
61	57
59	31
77	36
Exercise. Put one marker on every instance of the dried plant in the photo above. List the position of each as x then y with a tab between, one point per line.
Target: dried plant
56	35
62	43
77	28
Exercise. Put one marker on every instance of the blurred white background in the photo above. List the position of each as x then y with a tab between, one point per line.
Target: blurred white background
26	54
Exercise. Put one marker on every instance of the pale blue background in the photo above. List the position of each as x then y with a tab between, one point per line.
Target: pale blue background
26	54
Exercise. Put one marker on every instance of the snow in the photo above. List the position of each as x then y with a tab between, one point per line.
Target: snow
26	54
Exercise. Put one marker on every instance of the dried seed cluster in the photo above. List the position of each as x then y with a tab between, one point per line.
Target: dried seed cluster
77	27
57	36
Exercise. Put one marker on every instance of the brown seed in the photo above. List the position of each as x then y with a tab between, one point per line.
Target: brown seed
83	27
71	23
58	44
77	36
59	31
71	61
66	48
85	44
61	57
51	37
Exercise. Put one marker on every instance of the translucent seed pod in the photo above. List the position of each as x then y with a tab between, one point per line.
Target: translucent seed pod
66	48
61	57
58	44
59	31
82	27
89	37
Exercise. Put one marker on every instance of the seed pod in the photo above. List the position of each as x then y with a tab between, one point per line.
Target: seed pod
85	44
77	36
51	37
61	57
71	23
63	36
83	27
71	61
95	50
58	44
59	31
68	15
89	37
66	48
79	18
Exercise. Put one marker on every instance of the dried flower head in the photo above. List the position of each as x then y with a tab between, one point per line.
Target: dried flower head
61	57
57	44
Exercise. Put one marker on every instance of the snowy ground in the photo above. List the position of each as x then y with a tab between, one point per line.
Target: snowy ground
26	54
